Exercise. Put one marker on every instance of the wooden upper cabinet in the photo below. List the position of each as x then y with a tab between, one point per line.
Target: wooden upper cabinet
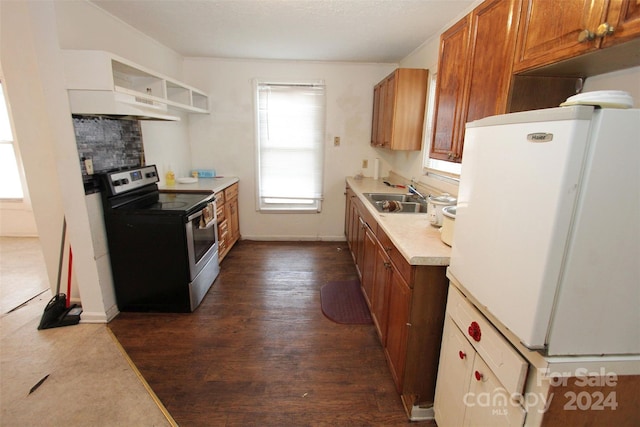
474	73
494	28
398	111
624	17
377	136
553	31
389	110
452	72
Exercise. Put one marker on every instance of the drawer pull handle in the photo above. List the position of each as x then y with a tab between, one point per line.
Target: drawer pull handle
604	29
479	376
585	36
462	354
474	331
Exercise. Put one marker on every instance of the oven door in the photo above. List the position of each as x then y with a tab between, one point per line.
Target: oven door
202	240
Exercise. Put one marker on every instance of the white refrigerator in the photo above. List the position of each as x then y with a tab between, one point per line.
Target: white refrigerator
547	232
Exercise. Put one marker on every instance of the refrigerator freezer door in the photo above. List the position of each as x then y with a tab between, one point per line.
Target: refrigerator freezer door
596	309
516	201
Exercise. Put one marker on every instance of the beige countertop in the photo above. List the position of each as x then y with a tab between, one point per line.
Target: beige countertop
412	233
204	185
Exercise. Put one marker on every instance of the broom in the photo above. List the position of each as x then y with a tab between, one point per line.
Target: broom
57	310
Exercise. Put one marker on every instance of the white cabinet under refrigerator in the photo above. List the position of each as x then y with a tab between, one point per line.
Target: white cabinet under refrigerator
548	227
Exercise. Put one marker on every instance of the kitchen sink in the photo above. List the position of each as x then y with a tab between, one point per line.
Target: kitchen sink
408	203
379	197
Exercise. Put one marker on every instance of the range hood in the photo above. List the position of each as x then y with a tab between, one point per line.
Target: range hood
117	105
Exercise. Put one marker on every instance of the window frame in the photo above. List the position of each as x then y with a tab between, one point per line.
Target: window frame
279	204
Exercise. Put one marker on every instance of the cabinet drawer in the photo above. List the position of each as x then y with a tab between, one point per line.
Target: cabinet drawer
231	191
398	260
220	212
220	200
222	246
505	362
223	228
365	214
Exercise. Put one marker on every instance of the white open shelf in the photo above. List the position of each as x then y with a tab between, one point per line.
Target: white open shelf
103	71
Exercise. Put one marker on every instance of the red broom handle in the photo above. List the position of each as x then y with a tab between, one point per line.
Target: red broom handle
69	277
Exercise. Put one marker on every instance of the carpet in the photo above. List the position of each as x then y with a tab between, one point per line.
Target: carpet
344	303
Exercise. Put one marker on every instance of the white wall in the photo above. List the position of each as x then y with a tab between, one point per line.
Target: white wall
44	132
27	105
224	140
33	32
167	145
82	25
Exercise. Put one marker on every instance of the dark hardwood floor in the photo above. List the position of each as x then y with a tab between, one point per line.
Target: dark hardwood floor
259	352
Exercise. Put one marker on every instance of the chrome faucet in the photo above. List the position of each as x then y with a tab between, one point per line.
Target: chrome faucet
413	190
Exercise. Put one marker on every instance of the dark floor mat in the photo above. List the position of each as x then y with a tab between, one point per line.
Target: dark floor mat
344	303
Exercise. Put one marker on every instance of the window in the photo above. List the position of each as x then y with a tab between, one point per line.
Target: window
10	185
290	123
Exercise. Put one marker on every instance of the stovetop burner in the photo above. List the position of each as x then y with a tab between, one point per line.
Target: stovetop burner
172	205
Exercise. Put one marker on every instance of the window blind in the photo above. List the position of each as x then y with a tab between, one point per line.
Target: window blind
290	155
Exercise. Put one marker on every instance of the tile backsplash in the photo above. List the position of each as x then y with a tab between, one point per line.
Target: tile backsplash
109	144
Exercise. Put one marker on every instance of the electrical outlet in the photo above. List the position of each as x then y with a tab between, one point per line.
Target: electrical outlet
365	164
88	165
336	141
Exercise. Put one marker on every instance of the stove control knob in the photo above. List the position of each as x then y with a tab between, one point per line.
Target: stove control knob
150	174
116	182
124	181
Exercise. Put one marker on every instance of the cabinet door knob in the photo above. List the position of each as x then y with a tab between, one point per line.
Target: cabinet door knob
585	36
478	376
387	265
474	331
604	30
462	354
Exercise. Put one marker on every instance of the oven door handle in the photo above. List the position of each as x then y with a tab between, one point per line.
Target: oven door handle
199	214
209	225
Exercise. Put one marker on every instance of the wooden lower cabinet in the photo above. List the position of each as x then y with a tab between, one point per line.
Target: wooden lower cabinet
380	289
407	304
428	298
228	220
398	311
368	263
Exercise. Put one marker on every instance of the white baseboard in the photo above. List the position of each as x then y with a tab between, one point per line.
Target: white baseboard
295	238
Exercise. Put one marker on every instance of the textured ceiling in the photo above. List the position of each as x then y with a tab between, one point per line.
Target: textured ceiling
323	30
